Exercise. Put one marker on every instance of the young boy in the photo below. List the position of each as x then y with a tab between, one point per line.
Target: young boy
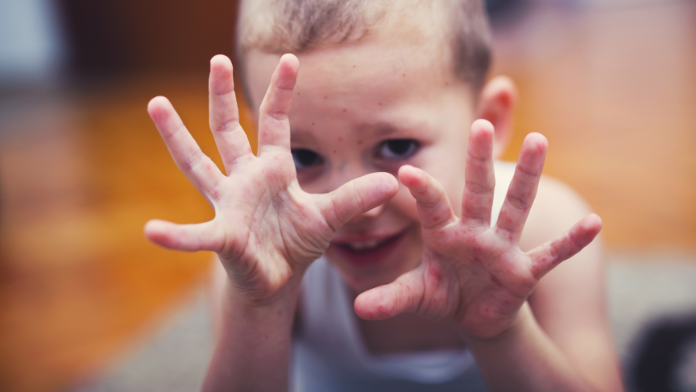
374	189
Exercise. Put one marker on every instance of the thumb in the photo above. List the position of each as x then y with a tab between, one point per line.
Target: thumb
356	197
189	238
402	295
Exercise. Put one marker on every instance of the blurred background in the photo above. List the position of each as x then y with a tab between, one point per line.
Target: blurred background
87	304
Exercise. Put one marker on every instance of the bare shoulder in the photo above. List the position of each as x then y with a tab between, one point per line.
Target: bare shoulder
556	208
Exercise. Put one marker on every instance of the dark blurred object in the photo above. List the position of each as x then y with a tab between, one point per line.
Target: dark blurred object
662	354
503	12
127	36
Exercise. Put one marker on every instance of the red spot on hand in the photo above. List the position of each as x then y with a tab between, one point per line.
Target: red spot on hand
496	281
324	96
435	274
312	124
380	104
404	75
359	142
340	139
345	110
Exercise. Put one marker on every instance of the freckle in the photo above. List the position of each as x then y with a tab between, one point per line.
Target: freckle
446	83
353	66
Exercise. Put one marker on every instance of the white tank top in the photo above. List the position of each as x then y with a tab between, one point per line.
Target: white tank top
330	355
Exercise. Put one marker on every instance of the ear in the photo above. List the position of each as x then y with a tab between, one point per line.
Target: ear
496	104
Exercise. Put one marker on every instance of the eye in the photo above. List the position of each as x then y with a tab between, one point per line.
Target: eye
305	159
397	148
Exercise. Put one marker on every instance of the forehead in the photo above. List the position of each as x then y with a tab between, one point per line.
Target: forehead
387	57
367	91
380	70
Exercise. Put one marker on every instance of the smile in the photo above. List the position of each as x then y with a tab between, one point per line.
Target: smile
364	251
365	246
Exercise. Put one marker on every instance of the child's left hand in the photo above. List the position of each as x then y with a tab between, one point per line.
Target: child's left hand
471	272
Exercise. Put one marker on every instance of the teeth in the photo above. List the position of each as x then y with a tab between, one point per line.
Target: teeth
363	245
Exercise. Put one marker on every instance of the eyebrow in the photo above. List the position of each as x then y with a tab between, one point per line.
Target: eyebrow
377	129
299	136
381	129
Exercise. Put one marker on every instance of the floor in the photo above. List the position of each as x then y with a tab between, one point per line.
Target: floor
612	86
643	289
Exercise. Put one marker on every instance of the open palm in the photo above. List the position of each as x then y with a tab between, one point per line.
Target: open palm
266	230
471	272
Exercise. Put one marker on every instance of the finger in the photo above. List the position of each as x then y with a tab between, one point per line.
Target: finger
480	178
403	295
356	197
189	238
229	136
197	167
434	208
274	127
523	187
547	256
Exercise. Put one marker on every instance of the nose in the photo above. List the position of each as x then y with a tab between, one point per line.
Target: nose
373	213
344	172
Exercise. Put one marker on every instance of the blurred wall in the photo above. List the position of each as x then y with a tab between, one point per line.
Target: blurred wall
127	36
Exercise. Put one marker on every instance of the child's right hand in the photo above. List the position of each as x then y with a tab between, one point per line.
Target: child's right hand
266	230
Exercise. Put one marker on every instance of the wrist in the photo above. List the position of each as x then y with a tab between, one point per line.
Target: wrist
261	290
259	321
256	300
517	326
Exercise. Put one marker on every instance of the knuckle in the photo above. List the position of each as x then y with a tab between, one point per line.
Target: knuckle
478	187
358	197
229	125
517	202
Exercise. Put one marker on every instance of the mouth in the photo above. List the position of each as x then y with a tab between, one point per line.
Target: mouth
368	251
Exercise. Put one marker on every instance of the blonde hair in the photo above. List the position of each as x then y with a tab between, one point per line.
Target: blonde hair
297	26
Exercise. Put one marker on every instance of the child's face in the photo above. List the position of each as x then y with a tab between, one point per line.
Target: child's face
373	107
